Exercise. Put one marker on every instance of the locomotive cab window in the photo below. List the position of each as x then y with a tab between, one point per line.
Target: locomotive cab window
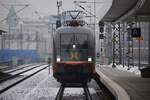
74	47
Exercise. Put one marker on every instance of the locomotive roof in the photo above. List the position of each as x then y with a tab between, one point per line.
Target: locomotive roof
69	29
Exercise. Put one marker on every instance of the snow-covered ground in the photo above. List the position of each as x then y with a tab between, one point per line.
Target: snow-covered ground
43	86
21	66
13	80
25	89
34	70
134	69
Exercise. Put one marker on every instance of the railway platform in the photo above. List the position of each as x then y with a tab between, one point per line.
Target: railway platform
124	85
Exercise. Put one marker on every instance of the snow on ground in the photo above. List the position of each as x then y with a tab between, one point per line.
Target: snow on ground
7	83
18	71
42	86
134	69
20	91
77	91
17	67
21	66
34	70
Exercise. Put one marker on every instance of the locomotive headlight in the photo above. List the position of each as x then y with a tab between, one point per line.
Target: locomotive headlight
89	59
58	59
74	46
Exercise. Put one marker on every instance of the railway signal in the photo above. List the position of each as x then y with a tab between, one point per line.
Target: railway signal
101	26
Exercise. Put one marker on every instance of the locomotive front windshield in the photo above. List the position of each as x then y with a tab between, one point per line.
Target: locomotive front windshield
74	47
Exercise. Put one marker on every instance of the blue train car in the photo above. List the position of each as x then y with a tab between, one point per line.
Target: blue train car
22	56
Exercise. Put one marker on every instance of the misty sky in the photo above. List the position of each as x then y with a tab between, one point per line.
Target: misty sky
48	7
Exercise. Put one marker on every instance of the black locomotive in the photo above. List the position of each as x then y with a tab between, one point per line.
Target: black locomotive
73	52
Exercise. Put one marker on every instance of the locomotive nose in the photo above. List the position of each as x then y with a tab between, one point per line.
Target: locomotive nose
73	71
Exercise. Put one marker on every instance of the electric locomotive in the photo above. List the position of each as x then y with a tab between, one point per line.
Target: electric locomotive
73	51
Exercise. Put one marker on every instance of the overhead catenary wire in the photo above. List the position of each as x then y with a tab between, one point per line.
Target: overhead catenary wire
87	11
14	13
3	6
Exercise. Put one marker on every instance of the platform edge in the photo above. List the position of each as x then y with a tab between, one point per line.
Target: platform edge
114	88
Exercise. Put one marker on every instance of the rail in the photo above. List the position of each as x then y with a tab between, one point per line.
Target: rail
13	76
62	88
10	86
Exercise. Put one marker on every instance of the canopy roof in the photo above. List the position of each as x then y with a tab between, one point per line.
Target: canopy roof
128	10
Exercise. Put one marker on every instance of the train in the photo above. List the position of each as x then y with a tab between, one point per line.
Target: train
73	51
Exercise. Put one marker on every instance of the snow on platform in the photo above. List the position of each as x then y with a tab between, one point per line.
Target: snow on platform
134	69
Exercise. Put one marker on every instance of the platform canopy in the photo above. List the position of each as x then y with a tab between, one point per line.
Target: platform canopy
128	10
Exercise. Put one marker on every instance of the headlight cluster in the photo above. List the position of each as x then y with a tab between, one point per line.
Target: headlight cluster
58	59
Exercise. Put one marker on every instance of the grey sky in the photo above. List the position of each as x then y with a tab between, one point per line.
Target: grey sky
48	7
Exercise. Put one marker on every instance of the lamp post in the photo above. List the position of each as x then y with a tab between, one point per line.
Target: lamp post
21	35
58	22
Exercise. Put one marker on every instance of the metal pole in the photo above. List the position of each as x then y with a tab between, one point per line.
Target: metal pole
120	54
139	54
45	46
28	41
37	41
101	51
132	54
128	51
59	4
21	36
1	37
149	45
17	41
94	15
9	37
113	49
1	42
94	25
90	17
123	43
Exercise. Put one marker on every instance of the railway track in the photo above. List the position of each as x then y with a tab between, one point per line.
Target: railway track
20	68
43	66
8	69
62	88
102	92
19	73
43	86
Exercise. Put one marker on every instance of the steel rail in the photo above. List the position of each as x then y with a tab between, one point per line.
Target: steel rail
13	76
10	86
60	93
87	93
8	72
